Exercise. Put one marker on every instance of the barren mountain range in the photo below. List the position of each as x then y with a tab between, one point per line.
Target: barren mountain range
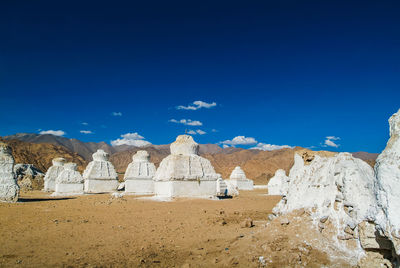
260	166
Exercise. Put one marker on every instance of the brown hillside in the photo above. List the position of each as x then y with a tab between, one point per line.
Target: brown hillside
40	155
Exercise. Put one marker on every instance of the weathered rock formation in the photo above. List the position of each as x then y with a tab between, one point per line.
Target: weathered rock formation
100	175
139	174
238	178
278	184
70	181
338	194
28	177
184	172
387	171
52	174
9	189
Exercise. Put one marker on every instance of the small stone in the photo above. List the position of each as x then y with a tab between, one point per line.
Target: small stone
285	221
324	219
247	223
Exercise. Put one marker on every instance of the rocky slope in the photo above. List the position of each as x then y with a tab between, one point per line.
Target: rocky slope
40	155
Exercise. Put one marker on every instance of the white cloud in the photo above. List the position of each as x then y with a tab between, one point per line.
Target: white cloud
270	147
225	146
53	132
197	105
214	130
116	113
240	140
133	139
187	122
86	132
329	142
201	132
84	123
198	131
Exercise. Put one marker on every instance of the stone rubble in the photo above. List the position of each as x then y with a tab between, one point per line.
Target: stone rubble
139	174
52	174
9	189
100	175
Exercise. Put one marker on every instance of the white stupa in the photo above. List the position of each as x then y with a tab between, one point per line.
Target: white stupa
279	183
9	189
100	175
238	178
70	181
184	173
52	174
139	174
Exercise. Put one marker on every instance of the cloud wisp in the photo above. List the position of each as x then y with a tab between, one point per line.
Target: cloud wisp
197	105
198	131
86	132
53	132
133	139
270	147
330	142
187	122
116	114
239	140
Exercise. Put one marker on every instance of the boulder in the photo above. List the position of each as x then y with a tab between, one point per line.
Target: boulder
100	175
139	174
9	189
52	174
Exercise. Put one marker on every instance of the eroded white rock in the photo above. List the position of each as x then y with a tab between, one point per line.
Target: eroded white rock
70	181
52	173
139	174
387	169
279	183
9	189
184	172
100	175
239	179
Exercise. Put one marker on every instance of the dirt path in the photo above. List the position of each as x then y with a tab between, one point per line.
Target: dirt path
97	230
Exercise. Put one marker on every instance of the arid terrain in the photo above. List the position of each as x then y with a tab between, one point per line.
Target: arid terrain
101	231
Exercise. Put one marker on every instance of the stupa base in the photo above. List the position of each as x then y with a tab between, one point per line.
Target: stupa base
68	189
139	187
244	185
100	186
185	188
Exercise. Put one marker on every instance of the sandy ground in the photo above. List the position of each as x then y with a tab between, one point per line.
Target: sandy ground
101	231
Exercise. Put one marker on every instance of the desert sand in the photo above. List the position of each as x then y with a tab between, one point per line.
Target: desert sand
102	231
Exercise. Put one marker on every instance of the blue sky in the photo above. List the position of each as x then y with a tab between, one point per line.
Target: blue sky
280	72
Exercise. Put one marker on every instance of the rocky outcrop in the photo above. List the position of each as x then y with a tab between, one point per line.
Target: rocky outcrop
100	175
28	177
279	183
387	171
338	194
184	172
139	174
52	174
9	189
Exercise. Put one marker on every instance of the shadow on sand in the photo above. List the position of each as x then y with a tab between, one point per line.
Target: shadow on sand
27	199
